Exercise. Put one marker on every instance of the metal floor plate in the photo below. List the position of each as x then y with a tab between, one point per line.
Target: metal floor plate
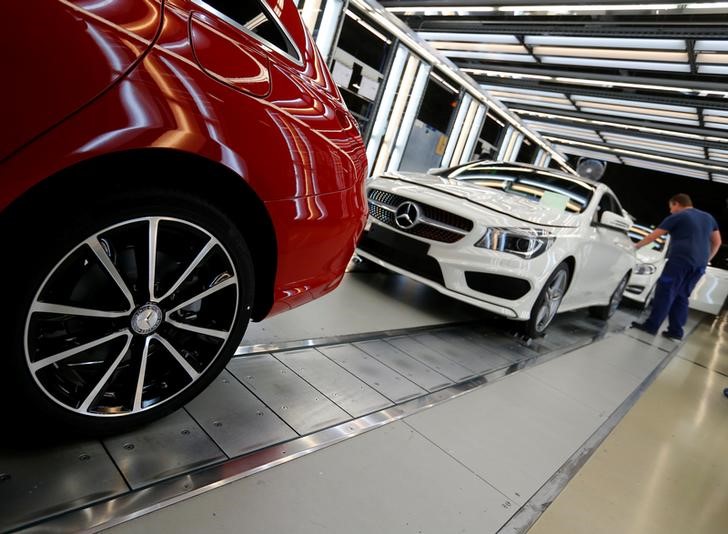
409	367
269	406
295	401
166	448
41	483
236	419
336	383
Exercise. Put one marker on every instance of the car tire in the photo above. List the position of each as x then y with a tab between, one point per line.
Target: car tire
548	301
92	346
605	312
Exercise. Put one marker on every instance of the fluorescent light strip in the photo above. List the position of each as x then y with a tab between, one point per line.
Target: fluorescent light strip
457	129
470	37
712	69
504	95
592	82
670	169
643	116
719	125
328	25
628	127
610	53
651	157
578	133
606	42
703	45
719	112
447	46
413	105
506	146
519	91
397	29
720	155
509	75
309	14
721	59
559	127
542	159
564	9
613	64
660	146
395	120
419	10
588	153
465	133
541	104
634	104
556	9
720	178
464	54
379	127
474	134
619	109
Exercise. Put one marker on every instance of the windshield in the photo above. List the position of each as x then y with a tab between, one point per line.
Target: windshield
548	189
638	232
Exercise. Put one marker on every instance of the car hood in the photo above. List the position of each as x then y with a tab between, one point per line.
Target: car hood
501	202
649	255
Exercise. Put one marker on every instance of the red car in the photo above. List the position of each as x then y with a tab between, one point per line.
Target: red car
169	170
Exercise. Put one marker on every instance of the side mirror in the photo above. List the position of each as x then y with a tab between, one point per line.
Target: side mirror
614	220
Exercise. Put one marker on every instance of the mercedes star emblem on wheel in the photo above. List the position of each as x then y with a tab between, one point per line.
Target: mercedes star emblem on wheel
407	215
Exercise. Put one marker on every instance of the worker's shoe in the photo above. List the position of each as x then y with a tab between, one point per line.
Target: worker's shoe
669	335
641	326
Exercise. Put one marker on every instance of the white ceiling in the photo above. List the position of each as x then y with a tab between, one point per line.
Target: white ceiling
643	84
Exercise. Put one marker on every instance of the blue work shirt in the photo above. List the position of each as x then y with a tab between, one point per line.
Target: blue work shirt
690	231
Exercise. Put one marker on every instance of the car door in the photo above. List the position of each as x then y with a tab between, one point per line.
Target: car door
606	250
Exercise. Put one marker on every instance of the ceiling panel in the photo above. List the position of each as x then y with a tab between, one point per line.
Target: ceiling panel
648	78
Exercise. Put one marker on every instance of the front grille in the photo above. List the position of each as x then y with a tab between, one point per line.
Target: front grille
401	251
378	199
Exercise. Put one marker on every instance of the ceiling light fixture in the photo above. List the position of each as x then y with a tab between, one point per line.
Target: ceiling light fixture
630	127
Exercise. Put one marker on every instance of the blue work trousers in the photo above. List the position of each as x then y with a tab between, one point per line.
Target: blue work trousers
673	290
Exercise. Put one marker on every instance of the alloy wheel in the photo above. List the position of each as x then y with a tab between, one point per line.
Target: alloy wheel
131	317
553	296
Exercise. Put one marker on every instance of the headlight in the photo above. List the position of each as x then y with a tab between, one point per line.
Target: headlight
645	268
524	242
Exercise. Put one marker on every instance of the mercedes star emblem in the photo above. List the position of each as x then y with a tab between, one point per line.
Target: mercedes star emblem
407	215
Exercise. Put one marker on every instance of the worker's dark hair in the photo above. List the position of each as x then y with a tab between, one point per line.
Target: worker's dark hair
684	200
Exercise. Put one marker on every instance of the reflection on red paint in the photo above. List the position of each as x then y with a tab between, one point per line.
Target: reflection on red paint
111	77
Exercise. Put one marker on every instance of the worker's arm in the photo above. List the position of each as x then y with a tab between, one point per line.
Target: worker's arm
655	234
715	242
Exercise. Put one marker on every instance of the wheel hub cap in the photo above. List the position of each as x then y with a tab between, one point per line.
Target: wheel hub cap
146	319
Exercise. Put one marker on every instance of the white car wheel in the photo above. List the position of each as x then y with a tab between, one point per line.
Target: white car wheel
548	302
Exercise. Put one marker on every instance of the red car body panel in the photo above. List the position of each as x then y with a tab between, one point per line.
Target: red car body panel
172	76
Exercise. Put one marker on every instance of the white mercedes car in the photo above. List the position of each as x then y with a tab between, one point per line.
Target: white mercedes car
650	263
515	239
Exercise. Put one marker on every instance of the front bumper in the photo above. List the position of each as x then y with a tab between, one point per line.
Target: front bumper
639	287
498	282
